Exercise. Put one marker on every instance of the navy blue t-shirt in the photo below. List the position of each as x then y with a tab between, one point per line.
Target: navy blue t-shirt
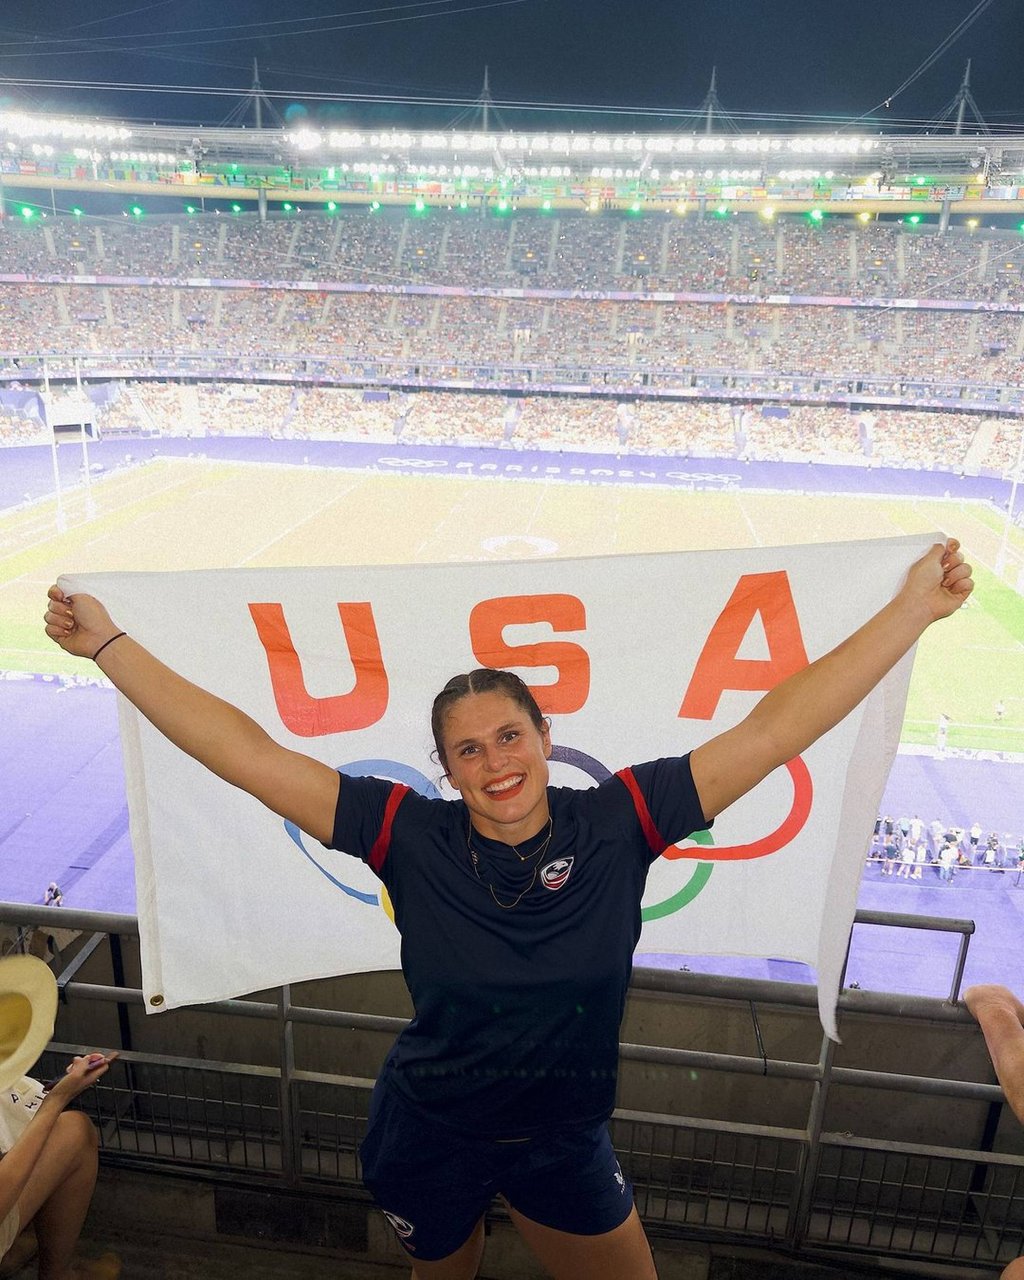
517	1007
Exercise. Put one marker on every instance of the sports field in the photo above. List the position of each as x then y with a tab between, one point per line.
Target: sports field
189	514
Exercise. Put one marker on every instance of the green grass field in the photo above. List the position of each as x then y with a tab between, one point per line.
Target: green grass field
185	514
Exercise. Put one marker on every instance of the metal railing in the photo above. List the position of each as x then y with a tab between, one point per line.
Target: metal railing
801	1185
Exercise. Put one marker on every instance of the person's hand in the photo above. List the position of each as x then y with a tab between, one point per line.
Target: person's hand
940	581
81	1073
986	996
79	624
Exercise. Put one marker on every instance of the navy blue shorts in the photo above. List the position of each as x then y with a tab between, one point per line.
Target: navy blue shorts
434	1183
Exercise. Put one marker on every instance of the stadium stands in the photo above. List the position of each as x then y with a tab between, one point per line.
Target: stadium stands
578	251
73	297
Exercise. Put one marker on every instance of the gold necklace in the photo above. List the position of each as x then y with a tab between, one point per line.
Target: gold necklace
475	860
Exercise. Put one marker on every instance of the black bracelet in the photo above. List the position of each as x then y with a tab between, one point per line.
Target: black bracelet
106	642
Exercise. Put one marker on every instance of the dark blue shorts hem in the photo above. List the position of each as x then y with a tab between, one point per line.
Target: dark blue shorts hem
434	1183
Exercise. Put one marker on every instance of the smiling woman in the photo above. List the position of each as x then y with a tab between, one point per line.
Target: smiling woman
519	907
494	749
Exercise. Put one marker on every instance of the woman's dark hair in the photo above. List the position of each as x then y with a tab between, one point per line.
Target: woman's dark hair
482	680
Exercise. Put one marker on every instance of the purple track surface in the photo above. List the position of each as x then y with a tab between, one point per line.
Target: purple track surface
27	471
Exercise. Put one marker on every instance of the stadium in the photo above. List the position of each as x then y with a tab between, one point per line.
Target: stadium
234	347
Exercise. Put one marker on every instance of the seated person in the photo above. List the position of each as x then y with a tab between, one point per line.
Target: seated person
1001	1017
48	1171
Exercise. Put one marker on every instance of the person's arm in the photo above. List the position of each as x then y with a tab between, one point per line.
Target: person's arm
212	731
1001	1017
17	1165
806	705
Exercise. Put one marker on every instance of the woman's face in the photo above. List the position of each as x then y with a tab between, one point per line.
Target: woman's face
498	759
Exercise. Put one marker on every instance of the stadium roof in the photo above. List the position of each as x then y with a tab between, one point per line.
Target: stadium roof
36	149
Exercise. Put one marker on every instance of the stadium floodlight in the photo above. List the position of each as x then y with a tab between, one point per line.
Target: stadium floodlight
830	145
393	141
21	125
345	140
305	139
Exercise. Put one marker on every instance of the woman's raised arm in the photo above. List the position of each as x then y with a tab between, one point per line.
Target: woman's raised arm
212	731
799	710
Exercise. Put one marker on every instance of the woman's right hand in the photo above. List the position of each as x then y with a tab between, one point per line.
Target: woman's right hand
81	1073
79	624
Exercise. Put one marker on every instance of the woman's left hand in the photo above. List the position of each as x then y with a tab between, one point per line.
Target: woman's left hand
940	580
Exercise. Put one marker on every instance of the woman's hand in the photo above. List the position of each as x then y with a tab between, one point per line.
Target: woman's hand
79	624
81	1073
940	581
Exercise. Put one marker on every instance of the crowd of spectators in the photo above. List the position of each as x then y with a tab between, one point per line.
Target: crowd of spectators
557	250
564	423
20	429
423	337
980	348
911	849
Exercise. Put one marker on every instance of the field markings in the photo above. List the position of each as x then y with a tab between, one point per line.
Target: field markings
296	525
755	536
110	512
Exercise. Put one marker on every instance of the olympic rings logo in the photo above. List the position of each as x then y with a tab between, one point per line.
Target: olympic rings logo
699	847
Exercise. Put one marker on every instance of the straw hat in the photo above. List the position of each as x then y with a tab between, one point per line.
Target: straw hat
28	1009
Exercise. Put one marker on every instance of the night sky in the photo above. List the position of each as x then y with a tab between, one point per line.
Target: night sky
783	58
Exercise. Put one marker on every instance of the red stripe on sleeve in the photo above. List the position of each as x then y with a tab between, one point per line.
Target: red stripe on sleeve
651	833
383	842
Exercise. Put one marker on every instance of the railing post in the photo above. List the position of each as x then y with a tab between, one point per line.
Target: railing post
289	1130
810	1158
961	964
117	972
